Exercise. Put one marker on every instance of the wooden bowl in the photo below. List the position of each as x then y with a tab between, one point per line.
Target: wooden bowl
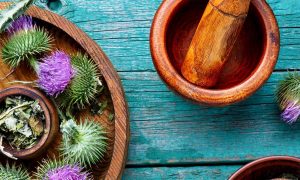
51	123
69	38
268	168
250	64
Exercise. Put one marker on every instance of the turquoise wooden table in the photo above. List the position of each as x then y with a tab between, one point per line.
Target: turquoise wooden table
172	138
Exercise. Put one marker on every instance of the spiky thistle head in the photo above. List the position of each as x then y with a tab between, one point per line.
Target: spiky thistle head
288	97
85	84
23	23
13	172
25	42
60	170
84	143
55	72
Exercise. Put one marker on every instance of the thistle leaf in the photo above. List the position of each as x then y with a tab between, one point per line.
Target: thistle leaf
12	12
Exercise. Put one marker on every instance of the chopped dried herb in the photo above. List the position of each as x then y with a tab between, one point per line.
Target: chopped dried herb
98	108
21	121
286	176
111	116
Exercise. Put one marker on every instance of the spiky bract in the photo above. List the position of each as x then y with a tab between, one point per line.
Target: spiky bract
288	97
60	170
84	86
288	90
13	172
24	45
84	143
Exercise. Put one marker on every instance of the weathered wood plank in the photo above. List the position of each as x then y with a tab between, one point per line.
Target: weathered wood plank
122	28
166	129
198	172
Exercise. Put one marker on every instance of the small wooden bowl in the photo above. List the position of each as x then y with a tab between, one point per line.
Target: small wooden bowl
51	123
250	64
268	168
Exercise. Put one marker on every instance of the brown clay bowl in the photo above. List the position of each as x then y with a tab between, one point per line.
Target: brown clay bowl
51	123
268	168
250	64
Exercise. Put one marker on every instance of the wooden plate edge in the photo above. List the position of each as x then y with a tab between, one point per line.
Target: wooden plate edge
122	131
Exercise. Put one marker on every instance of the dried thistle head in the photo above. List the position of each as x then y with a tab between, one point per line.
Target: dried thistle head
13	172
84	143
55	72
60	170
25	41
288	97
84	86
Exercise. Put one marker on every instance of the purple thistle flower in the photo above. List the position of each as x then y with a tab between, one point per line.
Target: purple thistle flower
55	73
20	24
68	172
291	113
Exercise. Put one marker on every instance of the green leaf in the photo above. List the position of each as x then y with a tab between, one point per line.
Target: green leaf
12	12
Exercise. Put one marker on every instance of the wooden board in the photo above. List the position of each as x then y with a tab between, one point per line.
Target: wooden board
188	173
71	39
159	138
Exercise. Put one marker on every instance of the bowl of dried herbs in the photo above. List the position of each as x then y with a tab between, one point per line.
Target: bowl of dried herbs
270	168
28	122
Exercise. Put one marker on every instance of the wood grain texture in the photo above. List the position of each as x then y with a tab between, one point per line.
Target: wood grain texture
272	167
185	133
247	68
71	39
182	173
213	40
51	123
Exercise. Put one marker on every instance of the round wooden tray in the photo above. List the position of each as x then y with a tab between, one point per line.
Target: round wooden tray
69	38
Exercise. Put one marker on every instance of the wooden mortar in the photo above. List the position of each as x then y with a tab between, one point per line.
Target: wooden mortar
249	64
213	41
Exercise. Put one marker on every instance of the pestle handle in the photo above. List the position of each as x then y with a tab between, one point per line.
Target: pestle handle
213	41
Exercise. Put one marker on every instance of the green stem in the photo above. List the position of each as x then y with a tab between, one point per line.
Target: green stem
60	113
34	64
21	82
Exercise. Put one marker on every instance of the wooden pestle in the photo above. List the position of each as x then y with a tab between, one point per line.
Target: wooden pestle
213	41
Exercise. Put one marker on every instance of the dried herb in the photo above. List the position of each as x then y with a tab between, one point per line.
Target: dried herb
21	121
98	108
286	177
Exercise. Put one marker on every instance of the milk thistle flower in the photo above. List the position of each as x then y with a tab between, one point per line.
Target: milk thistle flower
60	170
23	23
84	86
25	41
84	143
288	98
54	73
291	113
67	172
